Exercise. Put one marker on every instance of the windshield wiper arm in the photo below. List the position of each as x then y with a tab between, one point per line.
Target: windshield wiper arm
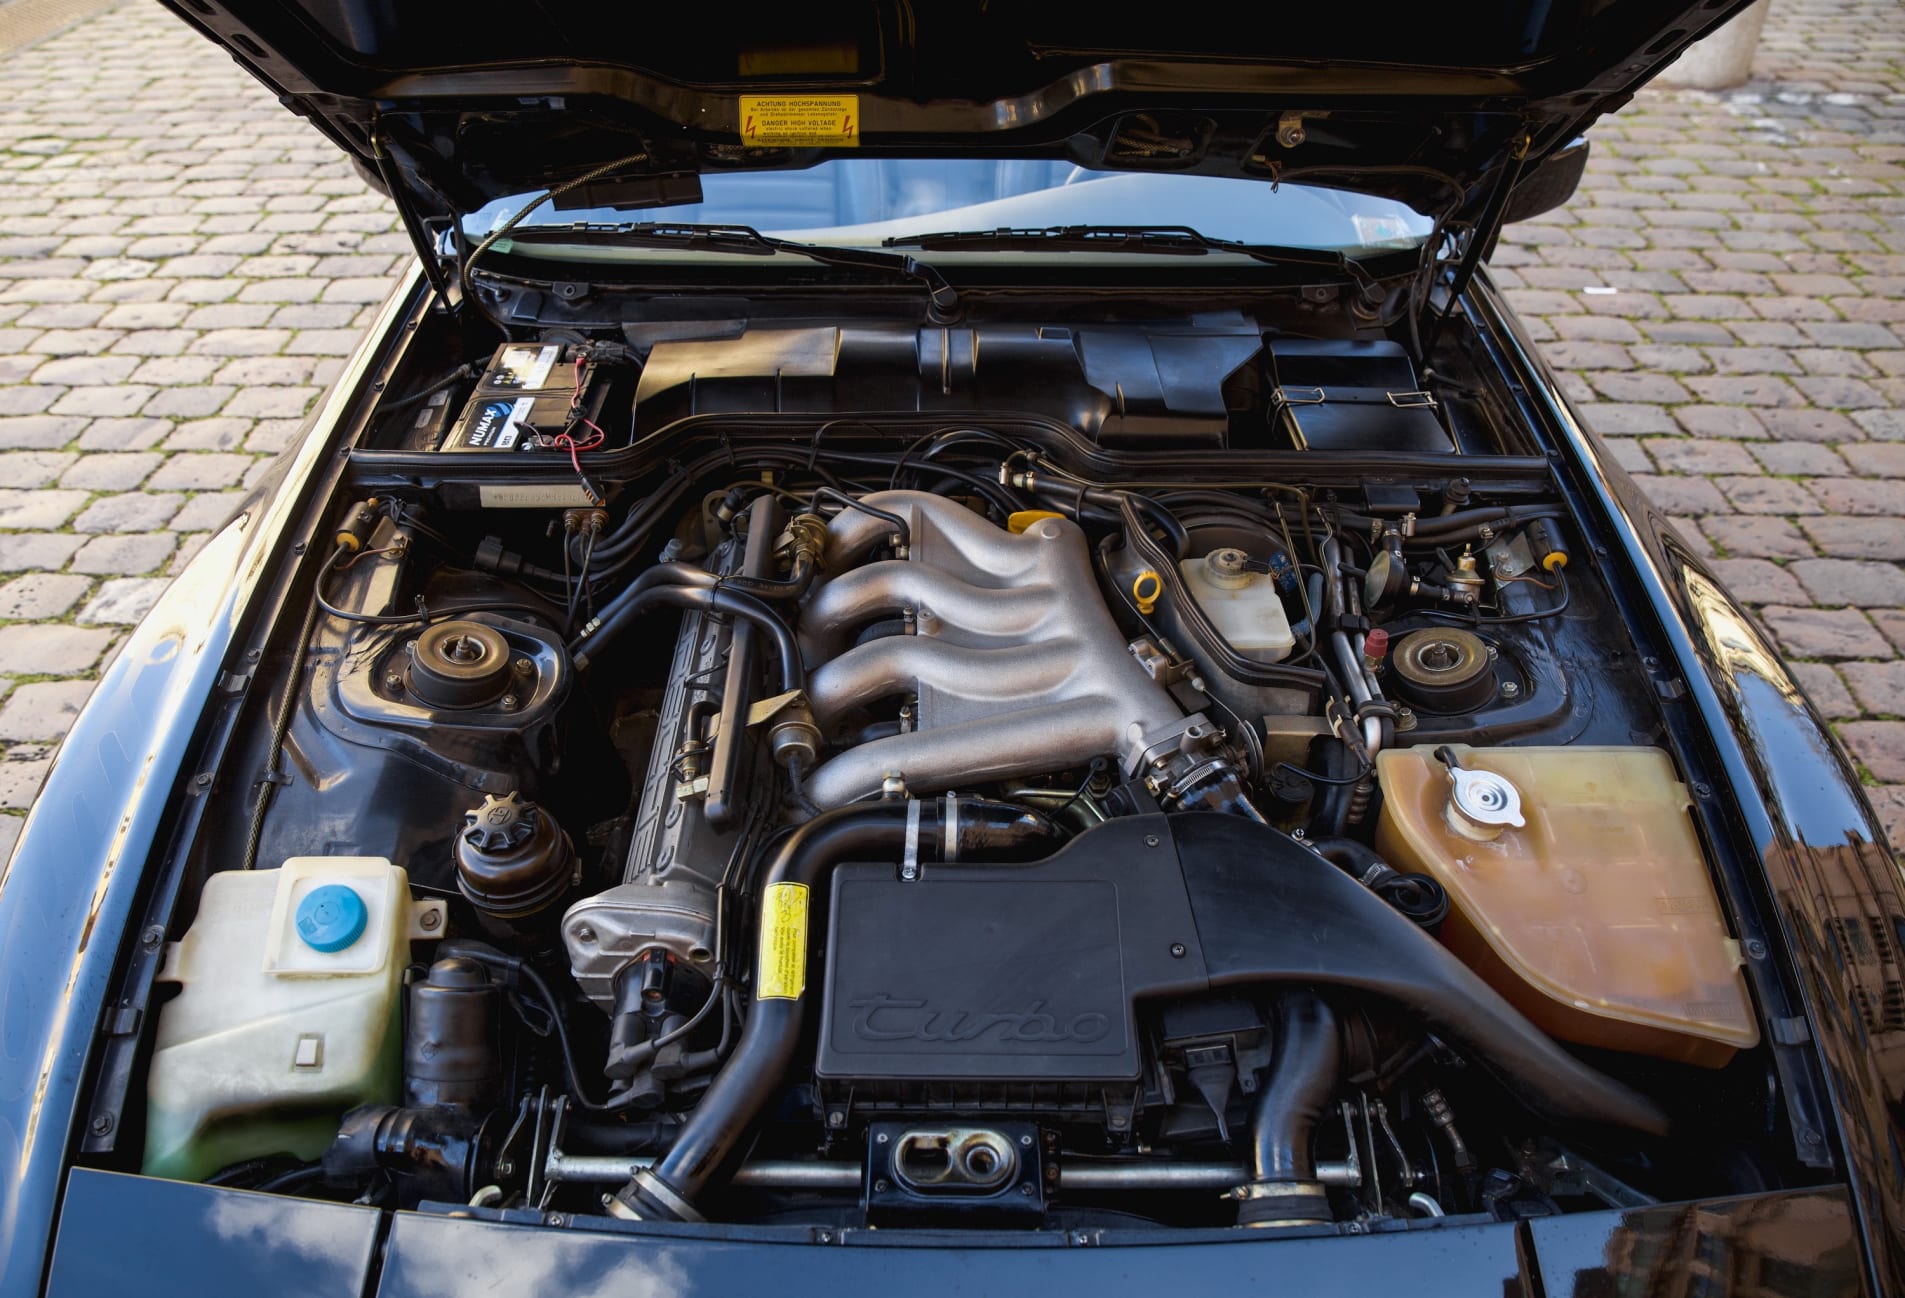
744	240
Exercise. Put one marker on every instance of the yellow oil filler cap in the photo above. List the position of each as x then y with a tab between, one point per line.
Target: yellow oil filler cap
1024	518
1145	589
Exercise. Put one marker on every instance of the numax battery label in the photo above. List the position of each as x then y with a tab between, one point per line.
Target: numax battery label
783	968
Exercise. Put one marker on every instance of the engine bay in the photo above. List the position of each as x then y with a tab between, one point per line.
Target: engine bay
776	772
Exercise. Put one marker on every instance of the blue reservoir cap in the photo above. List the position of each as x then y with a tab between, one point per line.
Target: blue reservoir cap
332	917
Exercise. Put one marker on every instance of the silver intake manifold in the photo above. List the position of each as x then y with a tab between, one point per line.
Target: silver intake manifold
1013	659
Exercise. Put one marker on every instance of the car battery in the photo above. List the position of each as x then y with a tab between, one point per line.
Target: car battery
529	393
1338	395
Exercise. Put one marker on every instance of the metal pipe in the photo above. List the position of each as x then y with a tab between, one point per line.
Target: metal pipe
589	640
1347	656
731	741
1081	1178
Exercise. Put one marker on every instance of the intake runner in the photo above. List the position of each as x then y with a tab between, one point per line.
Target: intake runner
1015	662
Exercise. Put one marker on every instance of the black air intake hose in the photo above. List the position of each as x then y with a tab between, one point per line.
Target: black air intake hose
1418	897
716	1133
1309	1051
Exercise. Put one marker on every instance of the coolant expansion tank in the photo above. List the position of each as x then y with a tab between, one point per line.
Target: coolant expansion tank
1596	917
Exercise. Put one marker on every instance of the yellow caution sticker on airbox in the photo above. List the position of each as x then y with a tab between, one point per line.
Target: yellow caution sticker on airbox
783	968
801	121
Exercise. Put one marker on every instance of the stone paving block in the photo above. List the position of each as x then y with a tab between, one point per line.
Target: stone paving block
33	468
29	399
1720	421
1886	425
1758	581
122	601
1682	496
42	710
1826	690
27	649
39	508
139	553
1763	495
1700	455
41	595
133	511
271	403
1879	746
134	434
1891	624
1876	459
1858	538
1824	633
22	771
207	511
1798	458
1859	495
36	551
112	471
205	471
1879	687
1862	584
1619	419
221	434
108	399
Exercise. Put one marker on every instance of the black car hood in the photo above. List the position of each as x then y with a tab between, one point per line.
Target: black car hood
215	1243
456	104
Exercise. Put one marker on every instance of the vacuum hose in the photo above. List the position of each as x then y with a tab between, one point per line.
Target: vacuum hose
640	598
715	1135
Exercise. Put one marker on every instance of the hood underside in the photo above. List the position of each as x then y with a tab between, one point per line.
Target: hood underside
455	105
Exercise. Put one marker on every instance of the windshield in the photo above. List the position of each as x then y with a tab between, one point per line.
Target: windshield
861	202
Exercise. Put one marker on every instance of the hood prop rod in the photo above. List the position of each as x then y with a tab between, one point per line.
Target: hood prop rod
1480	237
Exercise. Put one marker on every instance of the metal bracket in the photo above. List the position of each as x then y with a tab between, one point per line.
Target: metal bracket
909	862
763	710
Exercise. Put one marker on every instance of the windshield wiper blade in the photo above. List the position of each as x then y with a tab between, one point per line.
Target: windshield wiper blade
745	240
1175	240
1181	240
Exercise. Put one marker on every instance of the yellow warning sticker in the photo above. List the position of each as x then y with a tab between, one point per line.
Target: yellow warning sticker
801	121
783	974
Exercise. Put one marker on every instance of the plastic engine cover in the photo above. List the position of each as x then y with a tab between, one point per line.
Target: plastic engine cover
996	973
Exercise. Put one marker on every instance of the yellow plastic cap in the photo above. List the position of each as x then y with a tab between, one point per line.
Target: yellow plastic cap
1145	589
1024	518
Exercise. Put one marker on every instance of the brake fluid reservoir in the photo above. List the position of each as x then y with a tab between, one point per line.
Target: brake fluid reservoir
1579	892
286	1015
1243	605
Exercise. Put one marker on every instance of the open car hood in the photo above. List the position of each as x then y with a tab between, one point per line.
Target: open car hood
456	104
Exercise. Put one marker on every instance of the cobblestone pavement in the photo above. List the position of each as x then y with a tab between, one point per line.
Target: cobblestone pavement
183	265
